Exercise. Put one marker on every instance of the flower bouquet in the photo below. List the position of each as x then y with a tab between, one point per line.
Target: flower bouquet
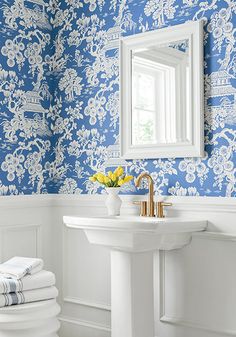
112	182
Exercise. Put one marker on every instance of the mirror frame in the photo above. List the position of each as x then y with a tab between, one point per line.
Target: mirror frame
193	31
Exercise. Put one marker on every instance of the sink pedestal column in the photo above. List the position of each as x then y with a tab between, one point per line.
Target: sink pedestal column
132	294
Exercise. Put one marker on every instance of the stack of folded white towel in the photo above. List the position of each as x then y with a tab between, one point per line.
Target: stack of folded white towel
23	280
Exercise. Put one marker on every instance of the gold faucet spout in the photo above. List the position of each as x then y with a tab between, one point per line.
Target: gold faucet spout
151	211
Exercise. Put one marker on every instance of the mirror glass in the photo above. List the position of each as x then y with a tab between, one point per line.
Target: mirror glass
160	93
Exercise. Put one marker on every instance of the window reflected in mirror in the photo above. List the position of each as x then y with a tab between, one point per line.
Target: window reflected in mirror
160	94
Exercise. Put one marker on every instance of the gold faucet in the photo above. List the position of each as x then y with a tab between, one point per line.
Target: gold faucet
160	208
150	203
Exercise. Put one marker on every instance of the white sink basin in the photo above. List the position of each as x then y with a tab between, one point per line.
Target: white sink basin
133	233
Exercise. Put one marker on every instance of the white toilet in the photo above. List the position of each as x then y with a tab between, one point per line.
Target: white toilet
38	319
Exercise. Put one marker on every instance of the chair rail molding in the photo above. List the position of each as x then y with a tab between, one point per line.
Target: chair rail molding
27	201
186	203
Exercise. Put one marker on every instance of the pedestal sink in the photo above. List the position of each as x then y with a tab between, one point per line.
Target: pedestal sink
132	241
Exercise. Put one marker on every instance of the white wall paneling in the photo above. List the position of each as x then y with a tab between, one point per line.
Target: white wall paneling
197	285
80	288
83	274
181	314
196	288
25	227
20	239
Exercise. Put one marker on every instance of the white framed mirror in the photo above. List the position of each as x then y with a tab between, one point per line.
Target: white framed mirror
161	88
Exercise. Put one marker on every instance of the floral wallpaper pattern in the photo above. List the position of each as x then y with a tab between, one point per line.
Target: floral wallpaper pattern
26	83
59	89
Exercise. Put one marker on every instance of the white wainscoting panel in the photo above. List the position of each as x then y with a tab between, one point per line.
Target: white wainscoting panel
196	289
93	263
197	285
26	227
24	240
83	273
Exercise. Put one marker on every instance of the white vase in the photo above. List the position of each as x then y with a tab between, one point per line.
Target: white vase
113	201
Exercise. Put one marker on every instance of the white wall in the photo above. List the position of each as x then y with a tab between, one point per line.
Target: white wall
196	288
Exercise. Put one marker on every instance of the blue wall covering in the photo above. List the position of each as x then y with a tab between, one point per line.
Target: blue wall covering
26	88
65	56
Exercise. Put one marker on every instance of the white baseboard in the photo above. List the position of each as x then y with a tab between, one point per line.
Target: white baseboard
75	300
196	326
87	324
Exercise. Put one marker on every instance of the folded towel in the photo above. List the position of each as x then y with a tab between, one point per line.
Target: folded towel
18	267
29	282
28	296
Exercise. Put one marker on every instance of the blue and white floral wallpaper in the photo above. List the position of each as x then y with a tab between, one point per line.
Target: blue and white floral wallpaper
59	94
26	87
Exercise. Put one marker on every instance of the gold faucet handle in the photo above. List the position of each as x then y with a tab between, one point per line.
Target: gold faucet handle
160	208
143	207
166	203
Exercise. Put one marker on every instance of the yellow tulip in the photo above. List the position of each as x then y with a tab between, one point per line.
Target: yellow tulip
99	174
119	171
113	177
109	174
100	177
106	180
128	178
93	179
120	182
